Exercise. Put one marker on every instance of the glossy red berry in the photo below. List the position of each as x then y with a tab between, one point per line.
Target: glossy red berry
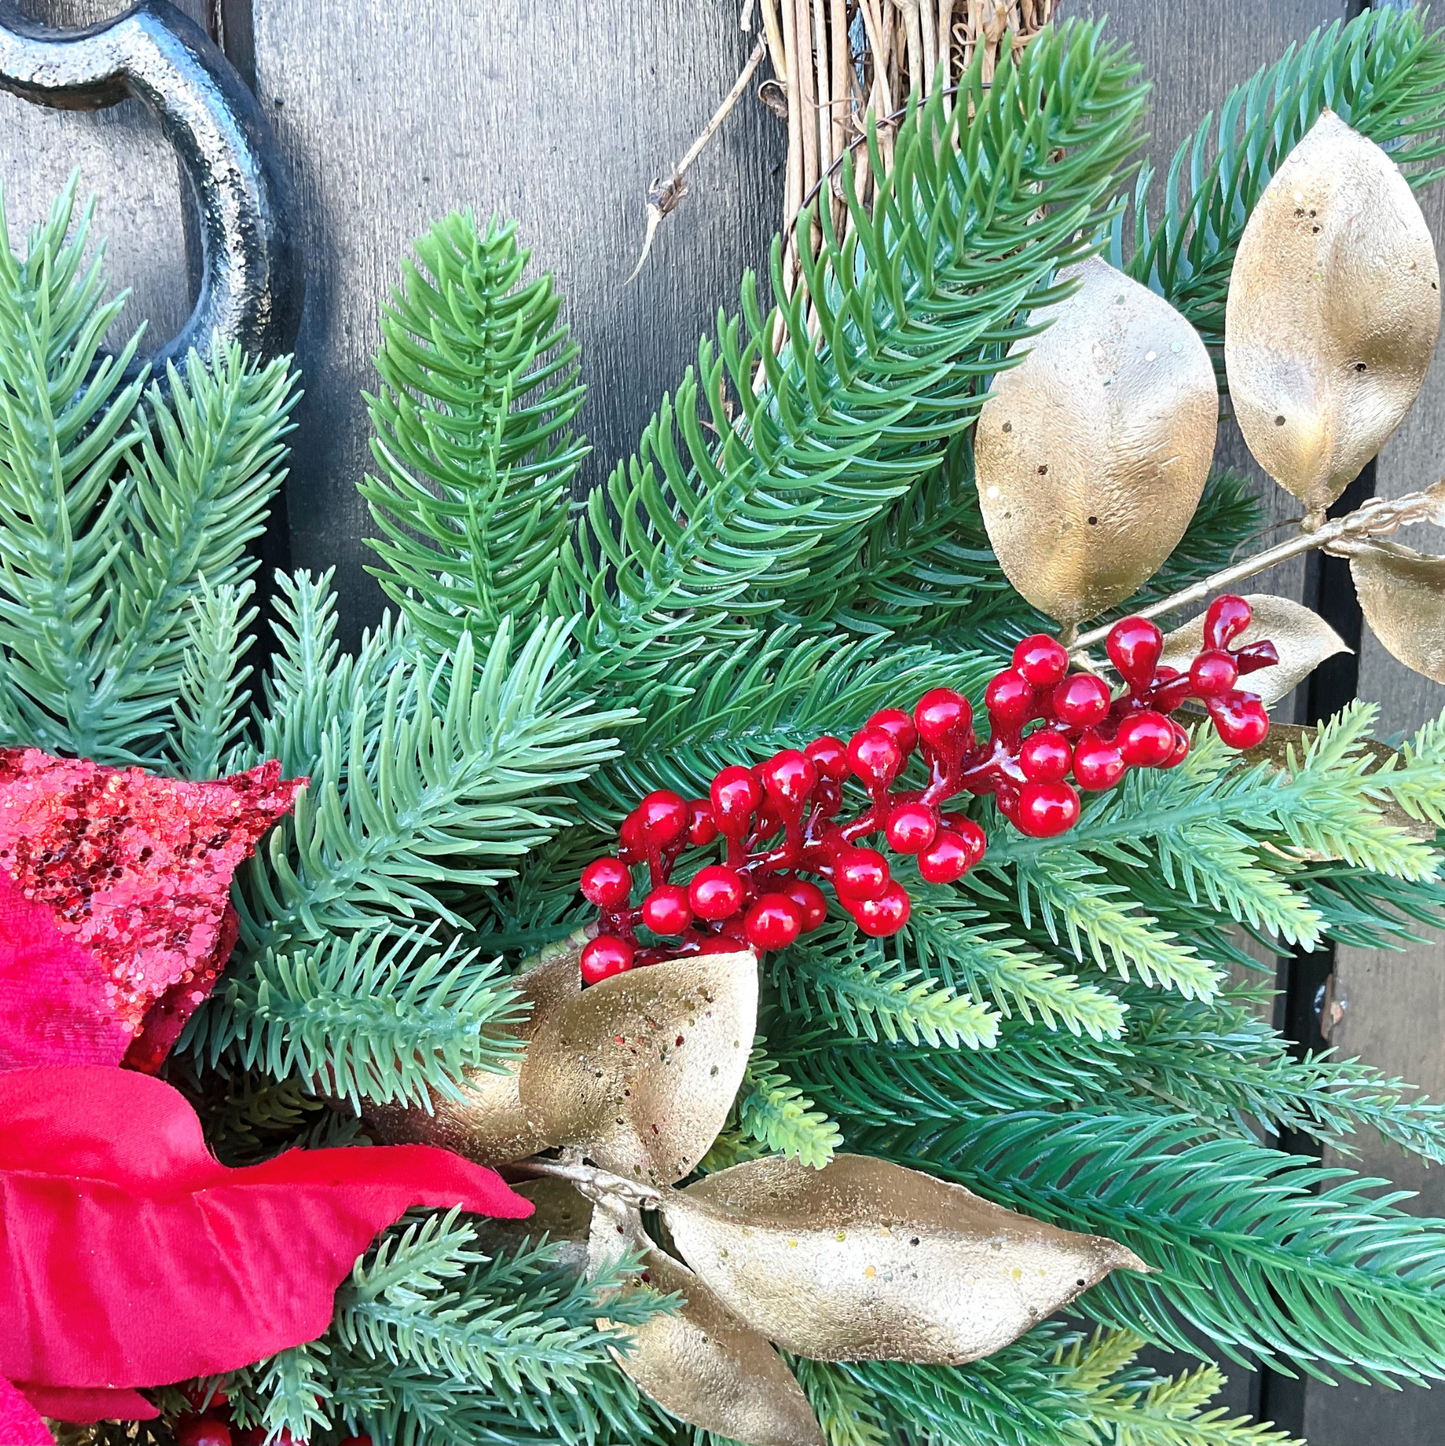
716	892
860	874
1134	645
1081	700
607	882
667	910
202	1431
663	816
1046	809
1240	719
722	944
812	902
736	795
875	757
885	915
203	1397
1146	739
632	845
1226	618
255	1436
1010	698
1213	673
911	826
943	718
605	956
945	859
774	922
1098	763
898	726
1045	756
975	840
1041	659
788	778
830	758
701	826
1181	747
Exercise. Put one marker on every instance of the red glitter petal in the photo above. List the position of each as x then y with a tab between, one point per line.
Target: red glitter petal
136	869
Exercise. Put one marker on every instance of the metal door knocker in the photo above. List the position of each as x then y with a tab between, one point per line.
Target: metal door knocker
252	276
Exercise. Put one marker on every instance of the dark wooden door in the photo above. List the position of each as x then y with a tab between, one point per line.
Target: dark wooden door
559	114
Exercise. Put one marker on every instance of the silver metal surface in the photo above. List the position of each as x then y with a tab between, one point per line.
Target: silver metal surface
252	277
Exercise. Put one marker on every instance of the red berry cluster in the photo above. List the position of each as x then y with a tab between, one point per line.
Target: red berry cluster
209	1425
782	817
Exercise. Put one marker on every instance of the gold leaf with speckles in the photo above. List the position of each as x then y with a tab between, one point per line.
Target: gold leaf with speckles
702	1363
1402	595
1333	311
640	1069
865	1260
1092	453
1302	638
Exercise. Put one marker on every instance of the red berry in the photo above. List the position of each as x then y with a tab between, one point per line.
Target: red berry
254	1436
1213	673
1042	660
788	779
876	758
830	757
1098	764
774	922
1254	656
911	826
736	795
1181	747
1046	809
1227	617
812	902
898	726
716	892
722	944
633	845
666	909
860	874
947	858
204	1398
607	882
1081	700
884	915
975	840
1045	756
663	817
1134	645
1146	739
1240	719
1010	698
605	956
942	718
202	1431
701	826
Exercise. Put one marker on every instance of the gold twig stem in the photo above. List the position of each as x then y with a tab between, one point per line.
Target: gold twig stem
642	1197
1378	517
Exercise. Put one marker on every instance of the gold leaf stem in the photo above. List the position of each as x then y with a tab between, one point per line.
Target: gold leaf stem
1378	517
592	1181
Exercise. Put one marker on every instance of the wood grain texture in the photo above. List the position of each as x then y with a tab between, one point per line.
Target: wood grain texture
556	115
1395	1001
121	156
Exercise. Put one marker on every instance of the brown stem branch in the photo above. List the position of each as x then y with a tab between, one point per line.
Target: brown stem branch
1379	517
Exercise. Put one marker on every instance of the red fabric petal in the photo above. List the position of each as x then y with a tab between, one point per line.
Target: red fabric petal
87	1407
52	992
137	870
130	1257
20	1423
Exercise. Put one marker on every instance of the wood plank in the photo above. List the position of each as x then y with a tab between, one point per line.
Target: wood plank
1394	1002
121	158
550	114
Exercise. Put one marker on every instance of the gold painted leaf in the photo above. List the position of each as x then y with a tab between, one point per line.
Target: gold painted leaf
865	1260
1092	453
488	1123
702	1363
1402	595
640	1069
1302	638
1333	311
